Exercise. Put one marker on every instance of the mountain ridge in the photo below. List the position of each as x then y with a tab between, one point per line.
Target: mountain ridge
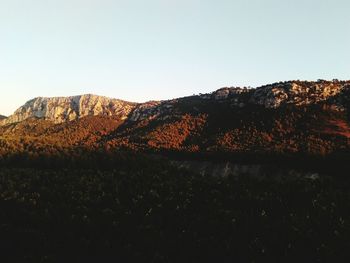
61	109
282	118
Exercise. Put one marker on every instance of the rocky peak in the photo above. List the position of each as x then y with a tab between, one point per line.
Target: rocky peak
61	109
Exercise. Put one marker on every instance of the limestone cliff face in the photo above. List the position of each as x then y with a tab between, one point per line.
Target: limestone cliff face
61	109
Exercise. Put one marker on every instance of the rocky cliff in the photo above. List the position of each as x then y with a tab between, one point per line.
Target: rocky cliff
61	109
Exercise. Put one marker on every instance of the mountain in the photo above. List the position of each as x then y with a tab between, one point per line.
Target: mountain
283	118
298	93
2	117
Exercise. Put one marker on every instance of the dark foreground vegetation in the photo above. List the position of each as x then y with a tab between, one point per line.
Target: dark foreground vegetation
143	210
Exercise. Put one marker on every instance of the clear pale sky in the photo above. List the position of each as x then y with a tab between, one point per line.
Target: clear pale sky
139	50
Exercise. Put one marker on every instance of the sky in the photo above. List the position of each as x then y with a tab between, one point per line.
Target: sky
140	50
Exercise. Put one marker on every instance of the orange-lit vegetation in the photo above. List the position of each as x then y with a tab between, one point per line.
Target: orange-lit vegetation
176	134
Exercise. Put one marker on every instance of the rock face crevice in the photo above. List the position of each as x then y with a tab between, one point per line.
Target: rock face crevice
272	96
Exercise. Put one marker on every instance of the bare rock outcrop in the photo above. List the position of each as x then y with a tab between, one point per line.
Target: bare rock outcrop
153	109
225	93
297	93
